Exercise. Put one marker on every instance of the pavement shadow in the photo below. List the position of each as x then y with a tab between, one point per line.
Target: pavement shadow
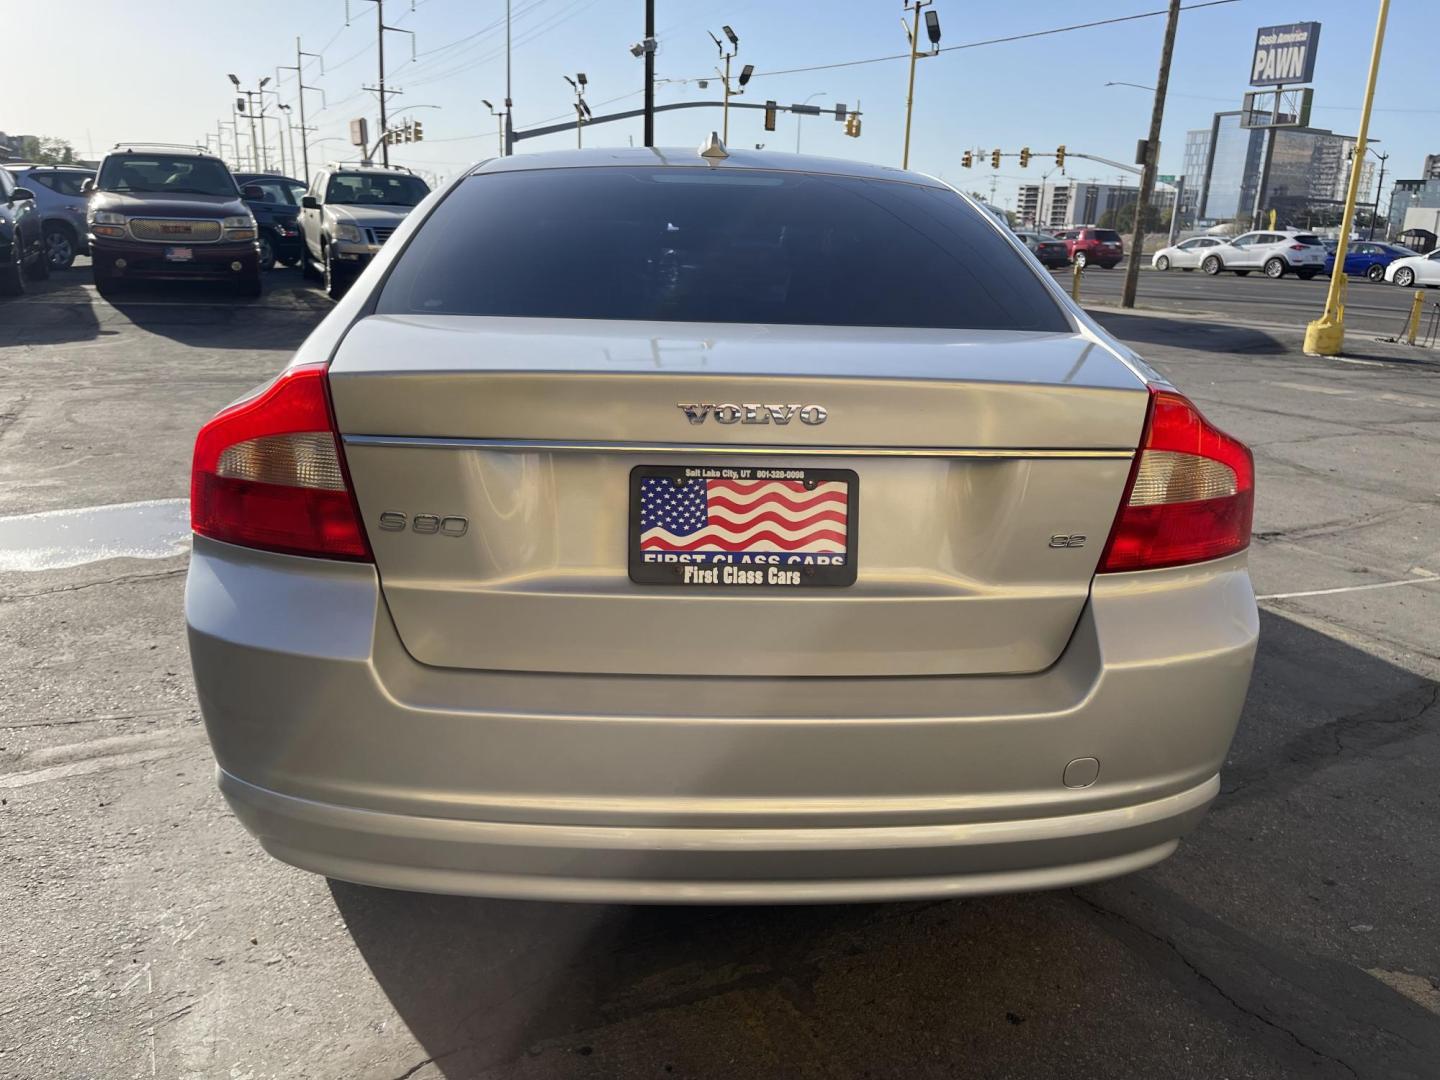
54	312
1234	958
211	315
1148	329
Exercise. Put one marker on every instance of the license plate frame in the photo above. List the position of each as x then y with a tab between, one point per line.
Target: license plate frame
735	571
180	254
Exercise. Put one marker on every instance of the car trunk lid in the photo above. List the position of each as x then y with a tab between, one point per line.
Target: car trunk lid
987	468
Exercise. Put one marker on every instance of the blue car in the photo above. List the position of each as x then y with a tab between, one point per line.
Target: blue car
1367	258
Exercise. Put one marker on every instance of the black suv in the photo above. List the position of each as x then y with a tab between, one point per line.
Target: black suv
21	248
170	213
275	202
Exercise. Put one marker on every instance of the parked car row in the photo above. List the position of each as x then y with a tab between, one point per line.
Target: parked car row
166	212
1084	246
1279	252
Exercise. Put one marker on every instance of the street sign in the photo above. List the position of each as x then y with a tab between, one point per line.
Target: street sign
1166	178
359	132
1284	54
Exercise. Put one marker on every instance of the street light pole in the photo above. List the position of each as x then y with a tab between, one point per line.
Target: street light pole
582	110
725	78
801	116
499	124
1379	184
1152	158
932	28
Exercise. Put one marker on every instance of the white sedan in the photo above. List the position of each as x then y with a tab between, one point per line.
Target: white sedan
1416	270
1185	255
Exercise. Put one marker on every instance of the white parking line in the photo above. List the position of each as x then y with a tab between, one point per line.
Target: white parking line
1427	579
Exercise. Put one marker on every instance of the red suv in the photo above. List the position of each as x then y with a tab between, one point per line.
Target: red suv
1087	245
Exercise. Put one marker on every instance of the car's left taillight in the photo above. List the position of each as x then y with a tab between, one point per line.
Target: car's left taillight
268	473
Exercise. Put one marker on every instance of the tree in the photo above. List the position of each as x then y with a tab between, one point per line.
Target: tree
1123	219
46	150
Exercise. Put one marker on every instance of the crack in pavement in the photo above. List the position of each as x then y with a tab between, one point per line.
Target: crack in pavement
118	580
1208	980
1392	720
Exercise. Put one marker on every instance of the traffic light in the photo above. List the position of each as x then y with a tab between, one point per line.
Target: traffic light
967	160
1024	157
995	159
1060	156
852	125
417	131
770	108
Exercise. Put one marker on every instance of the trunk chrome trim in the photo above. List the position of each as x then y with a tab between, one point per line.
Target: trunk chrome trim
552	447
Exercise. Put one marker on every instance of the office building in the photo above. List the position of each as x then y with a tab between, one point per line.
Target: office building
1407	195
1043	206
1309	172
1431	171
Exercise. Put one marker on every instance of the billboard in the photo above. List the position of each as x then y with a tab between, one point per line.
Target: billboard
1284	54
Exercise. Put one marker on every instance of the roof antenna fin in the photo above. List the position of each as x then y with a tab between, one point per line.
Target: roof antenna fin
713	149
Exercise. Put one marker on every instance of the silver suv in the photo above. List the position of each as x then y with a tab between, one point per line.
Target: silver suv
62	208
348	213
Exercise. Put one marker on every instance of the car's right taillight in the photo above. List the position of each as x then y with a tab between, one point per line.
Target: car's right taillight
268	473
1190	495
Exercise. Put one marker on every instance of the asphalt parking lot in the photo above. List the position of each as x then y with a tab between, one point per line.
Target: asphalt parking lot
1296	933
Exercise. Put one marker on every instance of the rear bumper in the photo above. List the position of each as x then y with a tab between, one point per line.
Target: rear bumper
344	756
702	865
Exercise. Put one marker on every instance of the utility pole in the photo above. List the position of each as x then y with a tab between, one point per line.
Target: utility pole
1326	335
380	45
649	45
300	86
1152	158
379	88
509	103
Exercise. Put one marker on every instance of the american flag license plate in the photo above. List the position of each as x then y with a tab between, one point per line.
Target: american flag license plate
726	526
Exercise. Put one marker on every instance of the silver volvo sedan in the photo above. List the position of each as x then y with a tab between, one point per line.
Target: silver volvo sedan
650	525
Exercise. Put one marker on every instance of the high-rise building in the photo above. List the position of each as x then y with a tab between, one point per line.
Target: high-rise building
1197	153
1431	171
1043	206
1309	172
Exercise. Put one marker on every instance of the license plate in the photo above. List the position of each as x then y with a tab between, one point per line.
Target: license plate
704	526
179	254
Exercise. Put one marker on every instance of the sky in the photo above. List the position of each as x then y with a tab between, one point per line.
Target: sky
160	73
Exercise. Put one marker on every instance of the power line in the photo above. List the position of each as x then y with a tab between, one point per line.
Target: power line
999	40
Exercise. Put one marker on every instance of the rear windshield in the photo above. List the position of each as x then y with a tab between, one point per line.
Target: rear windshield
1306	238
370	189
172	174
700	245
1106	236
